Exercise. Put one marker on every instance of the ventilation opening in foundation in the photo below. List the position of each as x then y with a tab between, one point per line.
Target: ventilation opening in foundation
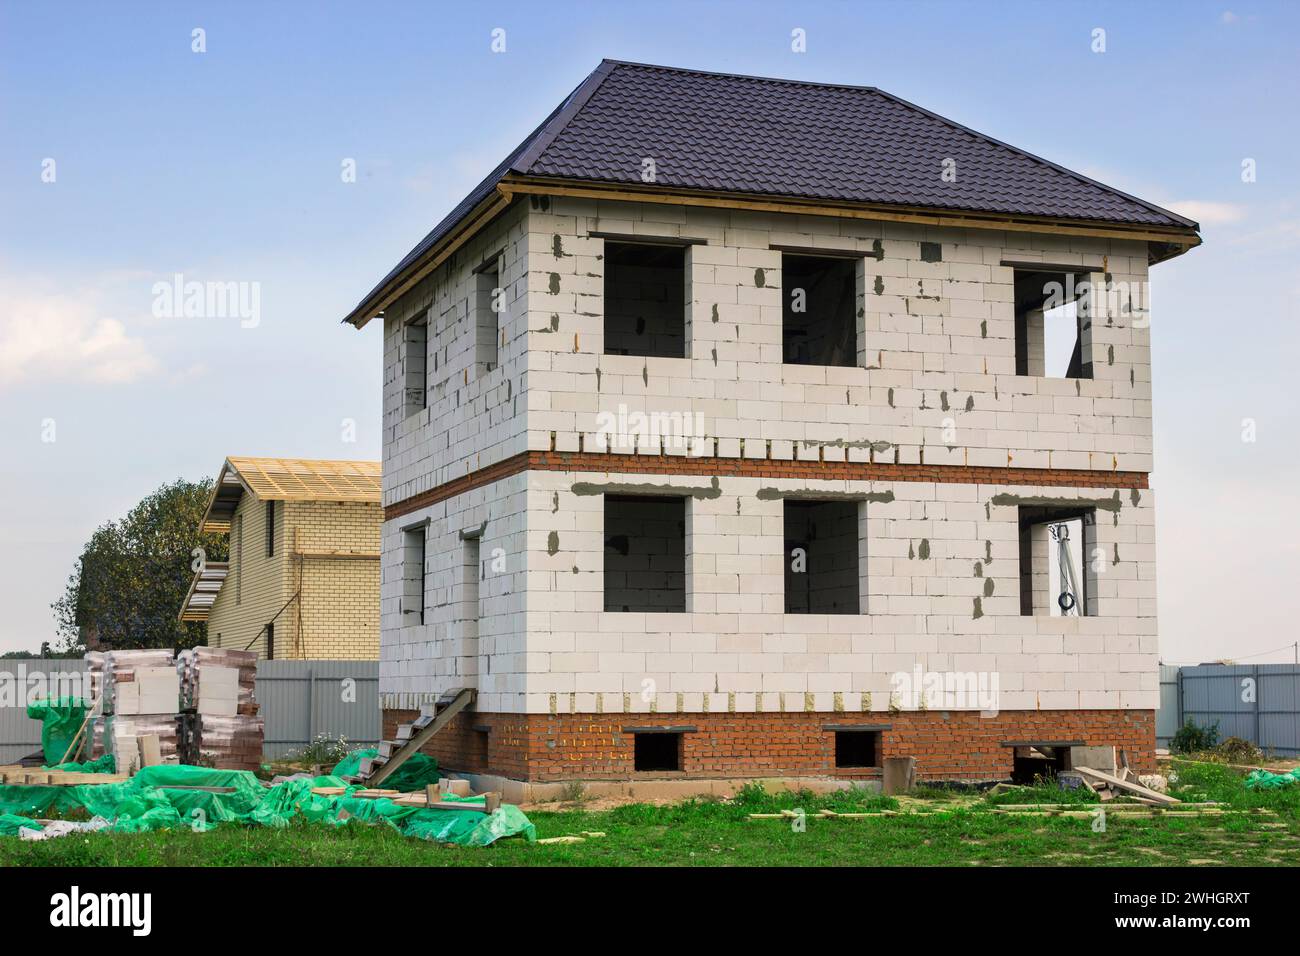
818	310
857	748
1058	561
657	752
821	557
645	300
645	553
1053	335
1038	762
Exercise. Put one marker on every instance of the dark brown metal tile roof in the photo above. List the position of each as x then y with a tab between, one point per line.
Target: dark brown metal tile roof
789	138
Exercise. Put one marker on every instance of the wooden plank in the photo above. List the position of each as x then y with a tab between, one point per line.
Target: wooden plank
403	282
1115	808
1126	785
421	801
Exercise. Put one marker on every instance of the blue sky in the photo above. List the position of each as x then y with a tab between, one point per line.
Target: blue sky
226	166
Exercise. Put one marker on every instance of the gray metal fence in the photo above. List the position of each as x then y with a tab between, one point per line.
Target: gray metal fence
303	699
1257	702
1167	717
299	701
26	678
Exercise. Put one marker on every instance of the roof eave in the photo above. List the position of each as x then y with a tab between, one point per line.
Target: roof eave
373	305
209	524
1166	242
1177	237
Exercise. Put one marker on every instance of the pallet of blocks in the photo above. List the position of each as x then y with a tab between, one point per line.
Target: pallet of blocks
141	691
230	743
144	678
223	728
219	681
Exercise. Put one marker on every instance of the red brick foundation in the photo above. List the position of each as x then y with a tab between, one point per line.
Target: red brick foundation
947	745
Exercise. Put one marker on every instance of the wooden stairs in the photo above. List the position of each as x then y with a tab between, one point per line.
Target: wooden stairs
411	737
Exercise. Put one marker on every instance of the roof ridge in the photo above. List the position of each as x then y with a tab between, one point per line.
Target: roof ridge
744	76
282	458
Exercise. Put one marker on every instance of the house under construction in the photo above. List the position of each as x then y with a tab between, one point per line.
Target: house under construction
738	426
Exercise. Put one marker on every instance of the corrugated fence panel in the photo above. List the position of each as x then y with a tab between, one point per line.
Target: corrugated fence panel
1257	702
30	678
1279	713
302	700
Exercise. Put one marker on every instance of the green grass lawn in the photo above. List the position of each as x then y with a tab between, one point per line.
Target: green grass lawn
719	833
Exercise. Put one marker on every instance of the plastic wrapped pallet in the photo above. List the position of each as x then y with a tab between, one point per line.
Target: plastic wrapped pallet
230	742
154	690
147	667
219	681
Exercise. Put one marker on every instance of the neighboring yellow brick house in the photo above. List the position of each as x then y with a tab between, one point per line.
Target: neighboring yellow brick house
303	576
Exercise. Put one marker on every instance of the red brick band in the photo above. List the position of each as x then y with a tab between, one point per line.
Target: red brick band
947	745
708	466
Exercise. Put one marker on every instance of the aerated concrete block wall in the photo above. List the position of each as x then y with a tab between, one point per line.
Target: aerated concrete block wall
472	418
935	386
936	334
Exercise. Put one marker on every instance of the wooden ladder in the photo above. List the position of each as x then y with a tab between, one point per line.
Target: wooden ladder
411	737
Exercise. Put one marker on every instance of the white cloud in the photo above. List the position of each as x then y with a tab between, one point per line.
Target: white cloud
54	334
1208	212
1228	17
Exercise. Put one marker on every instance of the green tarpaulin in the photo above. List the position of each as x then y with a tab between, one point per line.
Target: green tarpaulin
151	800
11	823
414	775
104	764
60	719
1263	780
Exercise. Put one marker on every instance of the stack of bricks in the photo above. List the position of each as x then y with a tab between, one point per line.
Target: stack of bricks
224	729
141	694
230	743
218	681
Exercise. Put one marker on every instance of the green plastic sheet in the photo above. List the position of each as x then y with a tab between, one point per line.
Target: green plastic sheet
1264	780
413	776
60	719
153	800
104	764
11	823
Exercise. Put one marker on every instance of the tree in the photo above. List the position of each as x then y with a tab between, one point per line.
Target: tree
127	587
